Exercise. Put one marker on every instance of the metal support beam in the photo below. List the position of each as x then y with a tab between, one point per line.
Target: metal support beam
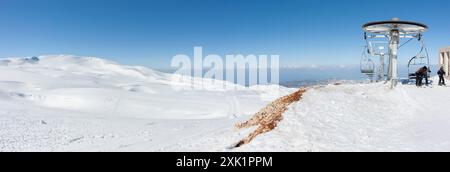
393	53
381	68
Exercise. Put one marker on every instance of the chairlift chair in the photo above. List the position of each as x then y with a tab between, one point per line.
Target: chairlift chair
367	65
418	61
378	49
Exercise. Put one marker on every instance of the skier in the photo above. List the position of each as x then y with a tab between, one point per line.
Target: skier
441	74
420	74
418	78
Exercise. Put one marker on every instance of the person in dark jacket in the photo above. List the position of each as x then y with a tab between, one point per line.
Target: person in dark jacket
419	77
427	70
420	74
441	74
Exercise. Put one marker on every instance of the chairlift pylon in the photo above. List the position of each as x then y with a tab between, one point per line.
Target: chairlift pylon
393	31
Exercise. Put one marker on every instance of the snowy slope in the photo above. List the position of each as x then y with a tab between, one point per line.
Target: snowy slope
80	103
364	117
69	103
92	85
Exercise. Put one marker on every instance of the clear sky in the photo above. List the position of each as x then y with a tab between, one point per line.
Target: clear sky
151	32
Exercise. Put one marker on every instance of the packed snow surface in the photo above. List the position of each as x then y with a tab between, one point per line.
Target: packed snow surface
70	103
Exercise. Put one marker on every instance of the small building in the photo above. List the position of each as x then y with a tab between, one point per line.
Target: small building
444	55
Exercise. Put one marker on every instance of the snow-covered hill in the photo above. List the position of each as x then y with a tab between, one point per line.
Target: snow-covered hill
69	103
81	103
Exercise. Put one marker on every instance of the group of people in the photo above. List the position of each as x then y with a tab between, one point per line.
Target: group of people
423	73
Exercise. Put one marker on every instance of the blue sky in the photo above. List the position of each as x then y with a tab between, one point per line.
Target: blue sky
151	32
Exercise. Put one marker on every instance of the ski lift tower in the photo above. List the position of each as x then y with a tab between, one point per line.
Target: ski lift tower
393	30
